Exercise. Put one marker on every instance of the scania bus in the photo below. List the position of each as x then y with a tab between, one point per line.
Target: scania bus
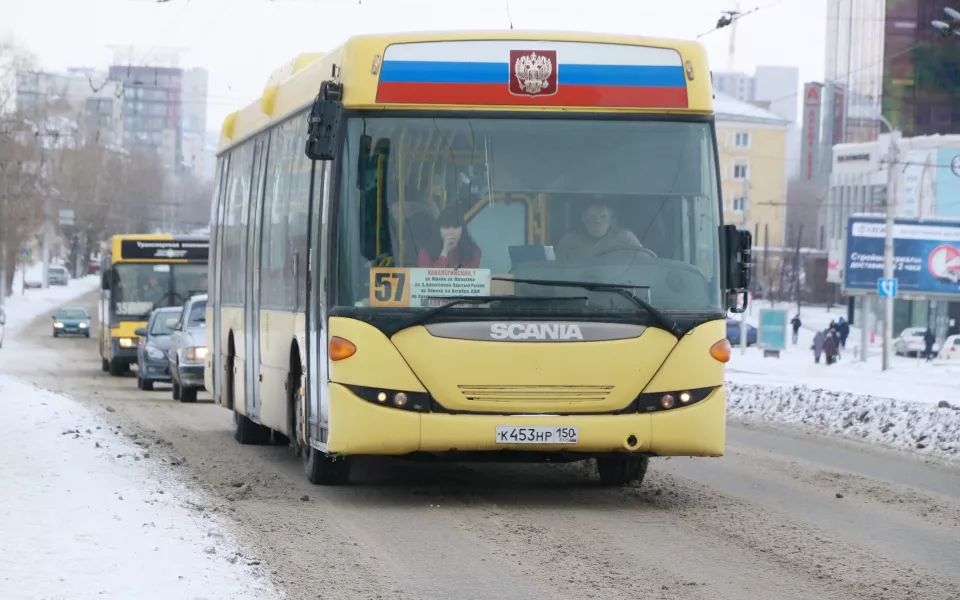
495	245
139	273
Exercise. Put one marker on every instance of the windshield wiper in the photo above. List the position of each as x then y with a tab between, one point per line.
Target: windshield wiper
456	301
624	290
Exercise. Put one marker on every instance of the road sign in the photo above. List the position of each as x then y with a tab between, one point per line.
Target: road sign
26	255
887	288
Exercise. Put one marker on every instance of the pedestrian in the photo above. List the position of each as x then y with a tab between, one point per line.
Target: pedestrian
928	340
830	348
796	328
818	341
843	328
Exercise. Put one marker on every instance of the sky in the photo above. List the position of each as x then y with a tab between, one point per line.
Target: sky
240	42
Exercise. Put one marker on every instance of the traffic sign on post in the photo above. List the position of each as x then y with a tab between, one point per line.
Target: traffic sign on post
887	288
26	255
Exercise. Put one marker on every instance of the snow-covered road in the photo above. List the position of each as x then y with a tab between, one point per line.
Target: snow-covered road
88	512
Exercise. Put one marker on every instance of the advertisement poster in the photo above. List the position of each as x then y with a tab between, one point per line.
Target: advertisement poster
948	183
926	256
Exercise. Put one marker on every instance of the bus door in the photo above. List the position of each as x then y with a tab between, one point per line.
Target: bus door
316	409
216	257
251	320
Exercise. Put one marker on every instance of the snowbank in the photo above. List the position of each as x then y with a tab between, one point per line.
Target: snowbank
23	306
87	513
922	428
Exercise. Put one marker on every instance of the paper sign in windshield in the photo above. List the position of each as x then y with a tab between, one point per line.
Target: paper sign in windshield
416	287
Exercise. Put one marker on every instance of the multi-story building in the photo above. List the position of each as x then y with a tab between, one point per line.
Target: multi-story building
774	88
164	110
855	62
926	186
753	167
85	96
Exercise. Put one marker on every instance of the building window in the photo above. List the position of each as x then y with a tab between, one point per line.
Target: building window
741	172
742	140
739	203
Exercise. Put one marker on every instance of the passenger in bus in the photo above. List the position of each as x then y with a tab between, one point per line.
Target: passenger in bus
598	234
453	247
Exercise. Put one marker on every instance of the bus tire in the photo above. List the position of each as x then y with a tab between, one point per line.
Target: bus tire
117	368
249	433
175	390
104	365
322	469
621	470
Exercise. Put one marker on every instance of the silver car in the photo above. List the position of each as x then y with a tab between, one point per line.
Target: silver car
188	349
57	275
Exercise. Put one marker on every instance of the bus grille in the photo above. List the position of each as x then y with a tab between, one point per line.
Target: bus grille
536	393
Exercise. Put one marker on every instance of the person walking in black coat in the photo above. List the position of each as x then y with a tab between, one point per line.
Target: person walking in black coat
796	323
843	328
928	341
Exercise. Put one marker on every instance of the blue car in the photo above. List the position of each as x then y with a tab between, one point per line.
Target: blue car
71	321
733	333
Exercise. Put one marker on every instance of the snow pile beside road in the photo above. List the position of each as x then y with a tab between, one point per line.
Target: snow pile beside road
86	512
923	428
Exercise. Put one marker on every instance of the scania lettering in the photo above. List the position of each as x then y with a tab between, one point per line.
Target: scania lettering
405	258
534	331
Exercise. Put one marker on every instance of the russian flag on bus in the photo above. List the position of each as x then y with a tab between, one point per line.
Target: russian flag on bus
538	73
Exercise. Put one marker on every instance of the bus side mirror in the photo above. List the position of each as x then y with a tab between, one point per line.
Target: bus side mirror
323	124
738	245
104	279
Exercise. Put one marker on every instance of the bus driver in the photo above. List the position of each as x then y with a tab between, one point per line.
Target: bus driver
598	234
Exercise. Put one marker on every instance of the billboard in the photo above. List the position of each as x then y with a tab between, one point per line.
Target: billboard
948	183
772	333
810	168
926	257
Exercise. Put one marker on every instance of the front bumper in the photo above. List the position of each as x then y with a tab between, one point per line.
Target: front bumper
191	375
72	330
155	370
361	427
123	355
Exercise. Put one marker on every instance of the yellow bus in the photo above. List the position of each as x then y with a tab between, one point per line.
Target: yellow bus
138	274
484	245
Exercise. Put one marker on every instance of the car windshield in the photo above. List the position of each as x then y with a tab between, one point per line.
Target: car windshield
198	315
160	322
456	207
72	313
138	289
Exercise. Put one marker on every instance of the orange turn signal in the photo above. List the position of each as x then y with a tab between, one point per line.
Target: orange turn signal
341	348
721	351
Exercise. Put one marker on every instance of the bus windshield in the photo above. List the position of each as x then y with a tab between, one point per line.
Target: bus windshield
434	208
136	290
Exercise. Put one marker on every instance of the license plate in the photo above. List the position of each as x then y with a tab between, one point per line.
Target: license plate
537	435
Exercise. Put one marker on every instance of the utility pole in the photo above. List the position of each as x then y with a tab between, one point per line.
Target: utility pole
865	318
888	239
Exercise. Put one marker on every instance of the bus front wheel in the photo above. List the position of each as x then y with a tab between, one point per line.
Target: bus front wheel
249	433
117	368
322	469
105	365
621	470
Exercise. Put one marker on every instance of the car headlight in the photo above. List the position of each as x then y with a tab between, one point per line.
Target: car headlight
155	353
84	325
58	325
196	353
126	343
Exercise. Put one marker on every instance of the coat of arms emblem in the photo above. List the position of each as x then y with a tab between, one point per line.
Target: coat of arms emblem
533	72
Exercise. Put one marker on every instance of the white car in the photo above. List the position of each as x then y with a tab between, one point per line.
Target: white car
910	342
951	348
3	321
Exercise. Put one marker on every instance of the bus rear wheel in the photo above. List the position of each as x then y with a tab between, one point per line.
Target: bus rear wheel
621	470
323	469
249	433
104	365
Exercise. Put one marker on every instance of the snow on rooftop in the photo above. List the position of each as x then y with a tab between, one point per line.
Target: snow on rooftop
728	108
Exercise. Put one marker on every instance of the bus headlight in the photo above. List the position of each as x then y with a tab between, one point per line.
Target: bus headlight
196	354
412	401
661	401
126	343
